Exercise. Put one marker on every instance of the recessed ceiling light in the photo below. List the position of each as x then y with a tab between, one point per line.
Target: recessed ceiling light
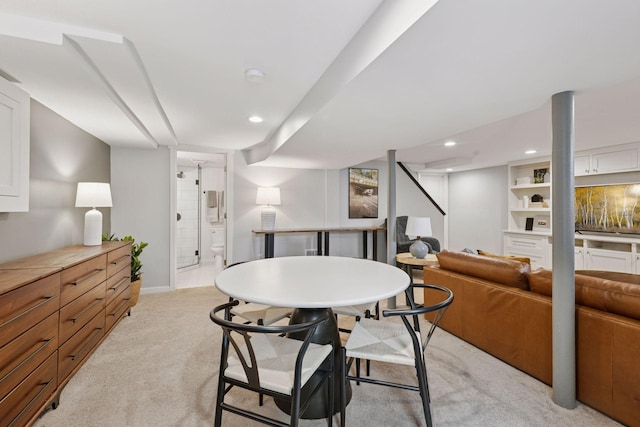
255	119
449	143
530	152
254	75
449	169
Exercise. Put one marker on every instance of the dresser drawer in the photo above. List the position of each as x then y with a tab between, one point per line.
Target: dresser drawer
117	283
118	259
118	307
28	399
79	279
79	311
73	352
23	307
531	243
22	355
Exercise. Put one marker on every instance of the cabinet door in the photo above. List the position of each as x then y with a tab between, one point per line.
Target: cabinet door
615	161
579	262
14	148
602	259
582	165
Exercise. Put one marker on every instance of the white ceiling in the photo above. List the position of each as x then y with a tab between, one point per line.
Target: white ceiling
345	80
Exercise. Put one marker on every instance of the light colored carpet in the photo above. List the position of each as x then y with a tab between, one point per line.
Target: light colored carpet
159	368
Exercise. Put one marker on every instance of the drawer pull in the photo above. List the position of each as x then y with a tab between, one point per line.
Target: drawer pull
86	276
29	310
117	310
35	398
31	356
126	257
123	280
86	310
96	332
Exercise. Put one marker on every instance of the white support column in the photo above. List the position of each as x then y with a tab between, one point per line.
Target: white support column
563	231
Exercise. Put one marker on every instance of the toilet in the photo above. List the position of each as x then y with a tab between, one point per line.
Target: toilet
217	245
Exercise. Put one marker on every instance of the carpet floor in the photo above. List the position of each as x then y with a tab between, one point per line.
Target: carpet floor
159	367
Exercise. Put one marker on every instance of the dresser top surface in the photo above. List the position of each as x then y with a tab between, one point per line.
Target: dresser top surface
63	257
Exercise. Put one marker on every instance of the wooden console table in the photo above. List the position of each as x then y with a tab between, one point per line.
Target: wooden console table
55	310
269	238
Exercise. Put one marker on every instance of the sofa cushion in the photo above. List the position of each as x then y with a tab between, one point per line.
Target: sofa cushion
511	257
504	271
603	294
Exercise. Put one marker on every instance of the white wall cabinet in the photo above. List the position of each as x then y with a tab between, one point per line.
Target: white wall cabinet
605	252
599	259
620	158
14	148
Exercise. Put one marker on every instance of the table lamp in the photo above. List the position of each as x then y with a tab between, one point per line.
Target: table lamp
419	227
268	196
93	195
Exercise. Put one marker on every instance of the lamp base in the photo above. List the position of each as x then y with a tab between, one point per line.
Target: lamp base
93	228
418	249
268	217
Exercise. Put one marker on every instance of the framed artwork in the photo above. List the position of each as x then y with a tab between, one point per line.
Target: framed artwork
538	175
363	193
608	208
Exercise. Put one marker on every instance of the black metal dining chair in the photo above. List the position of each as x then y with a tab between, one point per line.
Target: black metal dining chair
395	342
264	360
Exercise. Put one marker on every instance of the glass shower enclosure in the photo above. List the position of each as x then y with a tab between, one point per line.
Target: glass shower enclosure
188	216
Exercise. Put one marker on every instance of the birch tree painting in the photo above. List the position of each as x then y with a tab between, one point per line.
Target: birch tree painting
608	208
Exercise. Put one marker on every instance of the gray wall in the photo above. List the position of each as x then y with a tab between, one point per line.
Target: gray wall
61	155
140	188
478	209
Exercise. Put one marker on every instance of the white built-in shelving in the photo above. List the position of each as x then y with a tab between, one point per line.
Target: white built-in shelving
592	251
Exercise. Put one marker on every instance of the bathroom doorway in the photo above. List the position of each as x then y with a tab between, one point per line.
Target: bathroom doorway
200	227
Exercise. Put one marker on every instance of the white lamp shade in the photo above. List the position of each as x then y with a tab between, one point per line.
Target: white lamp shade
93	195
268	196
418	226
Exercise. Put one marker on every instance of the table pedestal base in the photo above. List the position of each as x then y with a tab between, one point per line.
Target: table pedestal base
324	334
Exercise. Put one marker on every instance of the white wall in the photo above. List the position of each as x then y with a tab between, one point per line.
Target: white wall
61	155
478	209
140	188
315	198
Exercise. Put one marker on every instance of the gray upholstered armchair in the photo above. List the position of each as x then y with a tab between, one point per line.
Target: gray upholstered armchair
404	242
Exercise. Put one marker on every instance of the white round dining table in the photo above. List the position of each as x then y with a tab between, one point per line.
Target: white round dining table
312	285
312	281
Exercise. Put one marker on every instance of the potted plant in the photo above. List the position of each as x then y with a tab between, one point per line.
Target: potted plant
136	265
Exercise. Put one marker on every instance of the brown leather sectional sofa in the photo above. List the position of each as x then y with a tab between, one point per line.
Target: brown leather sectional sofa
503	308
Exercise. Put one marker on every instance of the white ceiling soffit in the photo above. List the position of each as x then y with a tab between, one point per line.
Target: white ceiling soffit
110	67
382	29
346	81
195	54
465	64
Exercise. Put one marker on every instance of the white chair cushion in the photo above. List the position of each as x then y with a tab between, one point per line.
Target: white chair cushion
383	341
254	312
276	359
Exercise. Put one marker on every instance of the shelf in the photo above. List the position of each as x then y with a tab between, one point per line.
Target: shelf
532	210
532	232
530	186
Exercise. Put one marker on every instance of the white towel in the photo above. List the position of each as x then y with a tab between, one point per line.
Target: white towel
212	199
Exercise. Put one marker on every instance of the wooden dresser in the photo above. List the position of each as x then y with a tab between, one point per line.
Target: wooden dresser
55	309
